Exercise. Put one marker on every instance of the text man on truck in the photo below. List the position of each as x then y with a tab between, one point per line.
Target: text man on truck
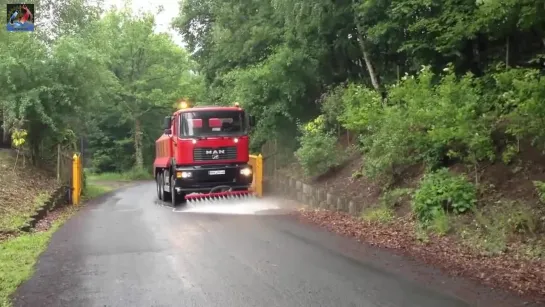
203	150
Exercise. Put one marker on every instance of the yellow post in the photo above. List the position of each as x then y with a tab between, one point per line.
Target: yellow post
259	175
76	180
257	183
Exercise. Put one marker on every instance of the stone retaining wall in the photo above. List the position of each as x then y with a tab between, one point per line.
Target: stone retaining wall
291	188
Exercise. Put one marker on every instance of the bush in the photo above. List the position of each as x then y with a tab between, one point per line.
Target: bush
427	118
519	102
361	108
139	174
540	188
441	190
380	214
318	151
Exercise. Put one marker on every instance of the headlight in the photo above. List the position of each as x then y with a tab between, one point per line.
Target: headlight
246	171
183	174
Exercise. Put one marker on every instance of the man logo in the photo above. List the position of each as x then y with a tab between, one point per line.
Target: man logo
215	152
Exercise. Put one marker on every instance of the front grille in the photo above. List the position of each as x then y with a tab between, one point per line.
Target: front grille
213	154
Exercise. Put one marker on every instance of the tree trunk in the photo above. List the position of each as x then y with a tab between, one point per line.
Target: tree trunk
367	58
139	156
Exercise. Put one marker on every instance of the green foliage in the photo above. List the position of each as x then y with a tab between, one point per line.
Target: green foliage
287	61
393	198
107	80
540	188
384	212
318	151
492	229
380	214
133	174
332	105
521	93
441	190
440	223
428	118
509	154
360	108
139	174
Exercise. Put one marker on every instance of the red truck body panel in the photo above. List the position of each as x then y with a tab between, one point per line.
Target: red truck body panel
163	152
170	148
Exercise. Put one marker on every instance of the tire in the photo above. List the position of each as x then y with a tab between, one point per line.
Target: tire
166	195
159	185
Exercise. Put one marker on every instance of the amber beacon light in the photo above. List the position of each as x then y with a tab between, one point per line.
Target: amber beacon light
184	104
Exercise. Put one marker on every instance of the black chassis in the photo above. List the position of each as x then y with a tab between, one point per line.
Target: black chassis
202	181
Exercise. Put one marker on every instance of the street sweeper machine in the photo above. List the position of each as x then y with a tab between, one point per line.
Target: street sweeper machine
203	154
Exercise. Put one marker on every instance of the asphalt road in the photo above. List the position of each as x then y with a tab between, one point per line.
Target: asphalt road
128	250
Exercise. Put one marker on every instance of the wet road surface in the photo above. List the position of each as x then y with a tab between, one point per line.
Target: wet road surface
128	250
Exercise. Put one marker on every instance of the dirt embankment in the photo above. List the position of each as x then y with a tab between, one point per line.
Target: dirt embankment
23	189
501	245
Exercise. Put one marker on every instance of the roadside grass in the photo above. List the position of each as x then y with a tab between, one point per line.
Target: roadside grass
384	211
18	256
134	174
499	228
93	190
380	214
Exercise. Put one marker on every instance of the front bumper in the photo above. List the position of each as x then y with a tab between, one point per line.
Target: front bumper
205	177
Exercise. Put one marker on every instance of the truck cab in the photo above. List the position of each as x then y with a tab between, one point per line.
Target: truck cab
202	150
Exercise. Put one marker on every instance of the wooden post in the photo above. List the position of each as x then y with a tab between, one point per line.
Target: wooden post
58	163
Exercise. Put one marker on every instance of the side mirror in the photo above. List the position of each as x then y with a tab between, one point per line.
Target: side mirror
251	120
167	124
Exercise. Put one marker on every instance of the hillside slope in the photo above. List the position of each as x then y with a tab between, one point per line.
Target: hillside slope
22	188
501	243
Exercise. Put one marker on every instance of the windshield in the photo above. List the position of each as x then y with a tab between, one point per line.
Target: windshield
213	123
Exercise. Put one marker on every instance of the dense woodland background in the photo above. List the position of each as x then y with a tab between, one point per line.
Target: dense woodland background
94	80
411	82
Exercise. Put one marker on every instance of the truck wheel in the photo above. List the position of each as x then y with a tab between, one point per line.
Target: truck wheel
165	195
159	186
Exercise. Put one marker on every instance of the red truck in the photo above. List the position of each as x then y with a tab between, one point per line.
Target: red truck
203	150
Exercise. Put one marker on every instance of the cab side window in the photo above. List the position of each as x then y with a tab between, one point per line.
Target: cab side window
175	125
